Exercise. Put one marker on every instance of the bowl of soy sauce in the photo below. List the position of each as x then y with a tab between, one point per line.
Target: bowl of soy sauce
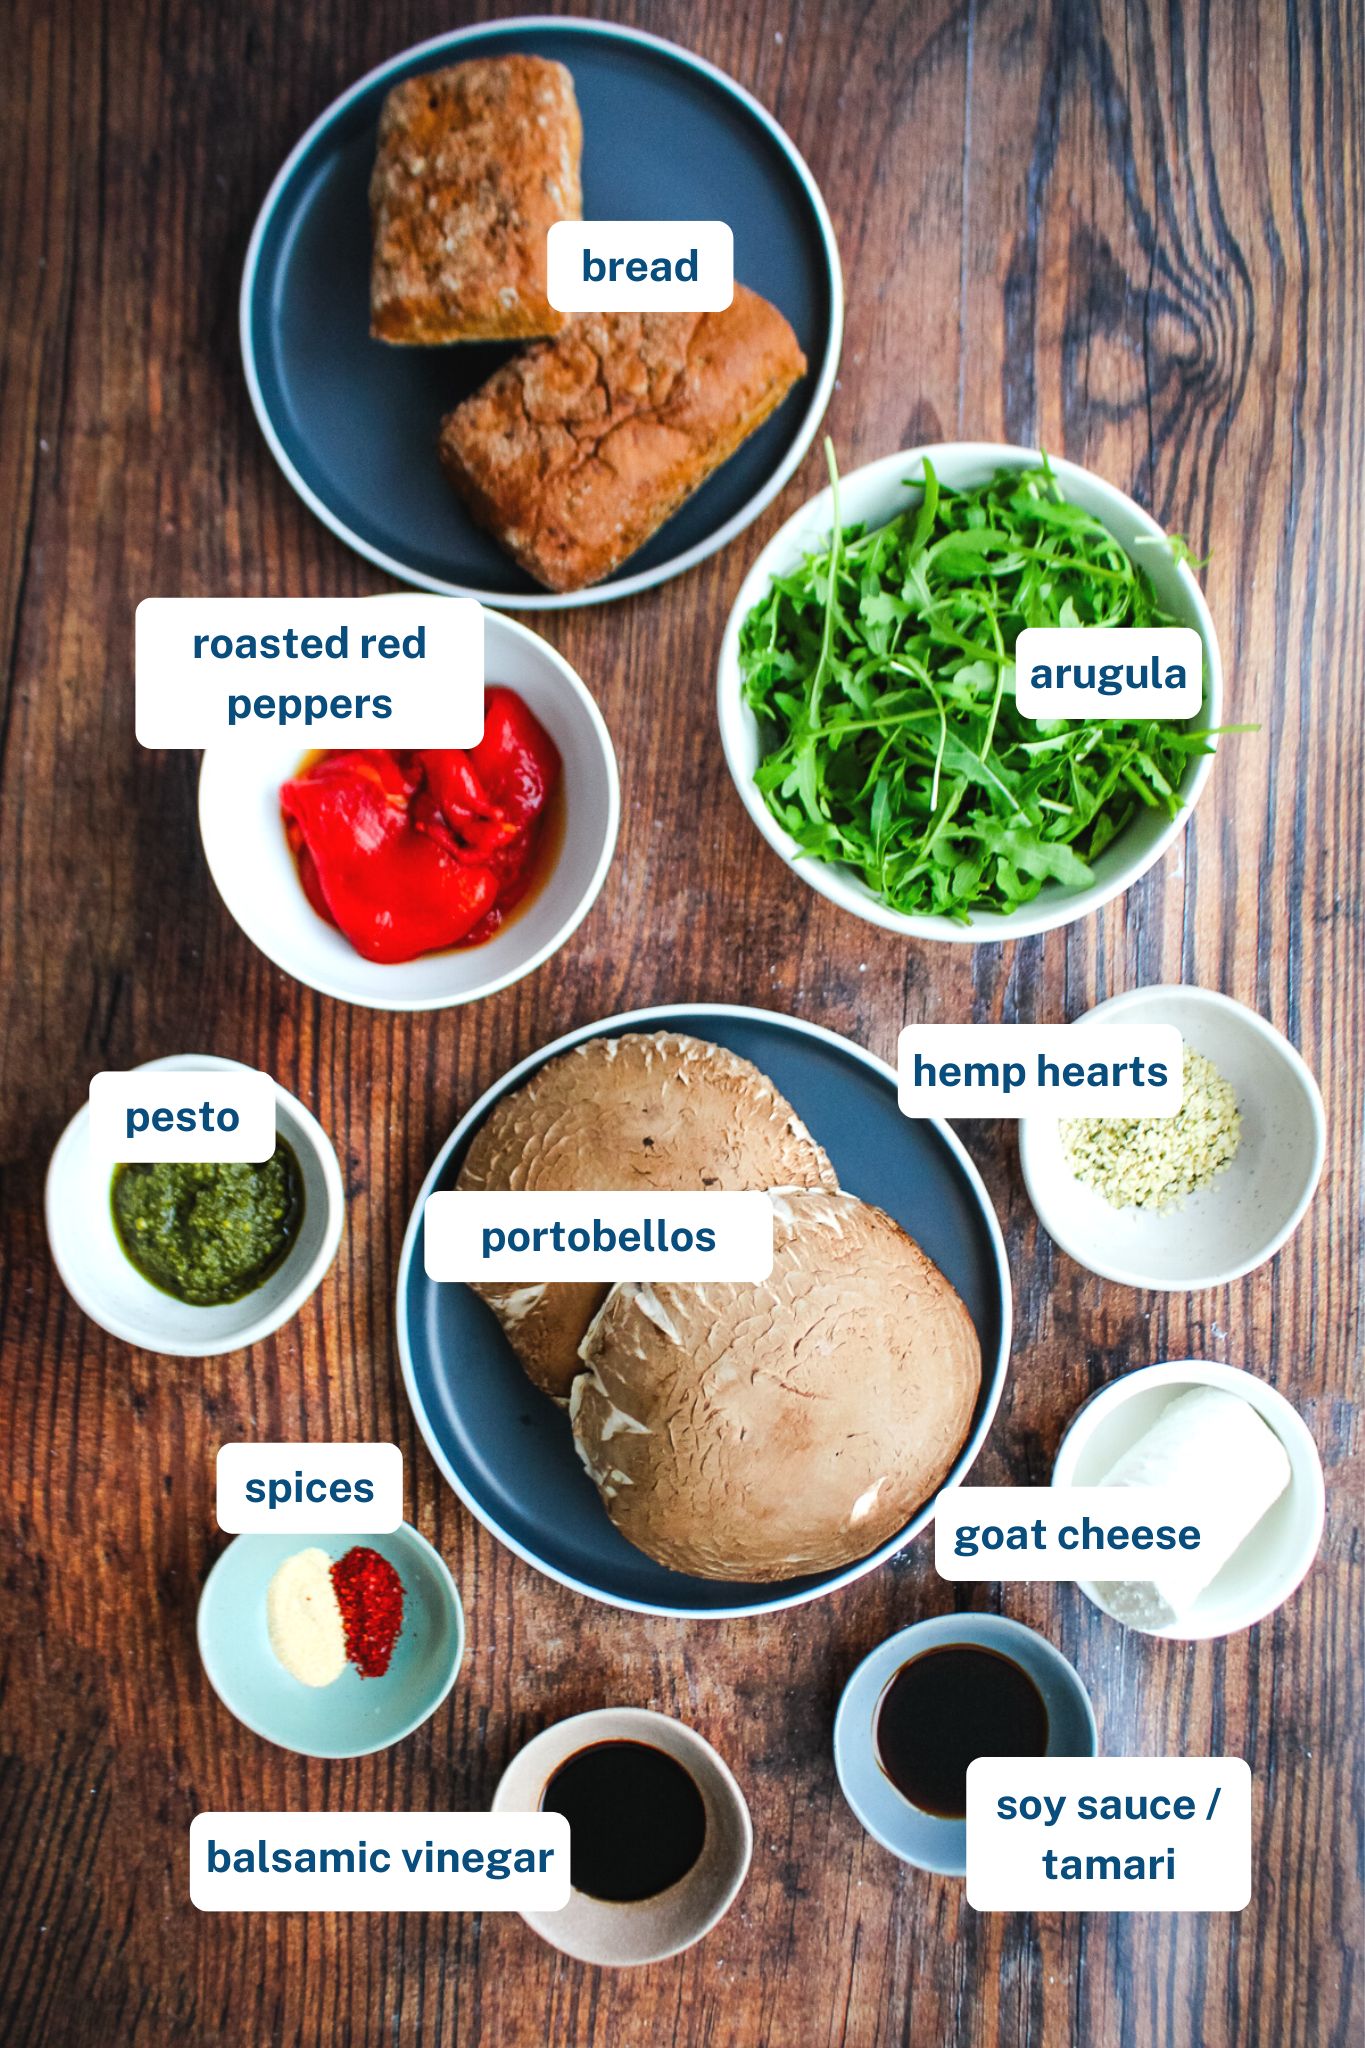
928	1701
659	1831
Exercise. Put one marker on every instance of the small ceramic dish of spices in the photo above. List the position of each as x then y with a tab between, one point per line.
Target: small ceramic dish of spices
331	1648
1195	1199
195	1260
928	1701
660	1830
416	879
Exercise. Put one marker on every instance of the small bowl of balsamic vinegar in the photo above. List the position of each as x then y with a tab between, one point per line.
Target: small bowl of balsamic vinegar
660	1832
928	1701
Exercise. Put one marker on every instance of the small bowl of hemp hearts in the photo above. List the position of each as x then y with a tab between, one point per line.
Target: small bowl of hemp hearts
1195	1199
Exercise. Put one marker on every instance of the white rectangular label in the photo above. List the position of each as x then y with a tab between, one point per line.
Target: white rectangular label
640	266
582	1236
1053	1834
403	671
1058	1070
1109	672
379	1862
209	1113
317	1489
1069	1532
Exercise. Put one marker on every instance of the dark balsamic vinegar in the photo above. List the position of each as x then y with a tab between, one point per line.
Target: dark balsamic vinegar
636	1820
947	1707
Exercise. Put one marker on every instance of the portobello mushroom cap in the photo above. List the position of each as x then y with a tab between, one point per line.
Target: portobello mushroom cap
647	1110
764	1431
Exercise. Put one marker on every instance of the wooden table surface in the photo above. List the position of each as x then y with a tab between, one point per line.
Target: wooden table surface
1133	234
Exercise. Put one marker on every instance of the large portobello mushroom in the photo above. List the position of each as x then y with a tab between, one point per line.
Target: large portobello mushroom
649	1110
764	1431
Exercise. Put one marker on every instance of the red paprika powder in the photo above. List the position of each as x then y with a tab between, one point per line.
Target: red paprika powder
370	1595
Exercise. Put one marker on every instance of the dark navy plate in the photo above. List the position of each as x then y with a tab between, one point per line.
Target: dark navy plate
353	422
508	1450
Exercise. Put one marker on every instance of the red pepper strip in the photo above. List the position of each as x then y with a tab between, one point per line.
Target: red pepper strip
394	776
457	810
516	760
514	868
511	864
428	817
308	874
486	926
392	891
457	789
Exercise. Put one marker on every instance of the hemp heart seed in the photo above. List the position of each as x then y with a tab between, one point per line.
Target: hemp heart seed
1155	1162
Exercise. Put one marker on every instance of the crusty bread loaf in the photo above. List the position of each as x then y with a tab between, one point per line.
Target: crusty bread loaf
573	454
475	165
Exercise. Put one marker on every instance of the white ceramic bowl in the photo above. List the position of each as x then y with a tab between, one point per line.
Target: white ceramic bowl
1275	1557
1248	1212
250	861
872	495
99	1276
619	1933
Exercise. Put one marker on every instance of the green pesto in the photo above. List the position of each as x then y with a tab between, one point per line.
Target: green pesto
209	1233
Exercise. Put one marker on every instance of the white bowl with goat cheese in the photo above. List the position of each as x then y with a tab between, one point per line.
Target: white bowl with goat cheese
1273	1557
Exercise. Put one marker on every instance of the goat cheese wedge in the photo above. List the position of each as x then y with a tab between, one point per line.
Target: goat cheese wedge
1205	1442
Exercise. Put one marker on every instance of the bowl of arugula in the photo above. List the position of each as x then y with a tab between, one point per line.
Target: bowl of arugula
866	694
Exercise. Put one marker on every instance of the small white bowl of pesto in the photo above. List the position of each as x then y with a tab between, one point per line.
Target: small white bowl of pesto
1196	1199
867	707
196	1260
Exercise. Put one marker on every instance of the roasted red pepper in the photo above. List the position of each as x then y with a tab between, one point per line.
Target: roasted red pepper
407	853
516	760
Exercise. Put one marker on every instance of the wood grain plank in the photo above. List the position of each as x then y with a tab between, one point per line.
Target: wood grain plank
1136	234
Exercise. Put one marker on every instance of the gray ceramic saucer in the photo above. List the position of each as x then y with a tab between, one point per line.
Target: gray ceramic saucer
926	1839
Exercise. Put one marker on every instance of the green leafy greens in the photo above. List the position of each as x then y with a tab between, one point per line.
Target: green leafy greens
881	673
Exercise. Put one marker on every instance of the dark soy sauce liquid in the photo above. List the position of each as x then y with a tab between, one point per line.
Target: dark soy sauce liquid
947	1707
636	1820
